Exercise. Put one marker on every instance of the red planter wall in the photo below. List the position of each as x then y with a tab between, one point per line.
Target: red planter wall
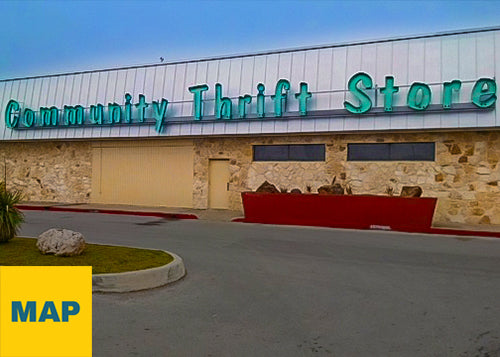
340	211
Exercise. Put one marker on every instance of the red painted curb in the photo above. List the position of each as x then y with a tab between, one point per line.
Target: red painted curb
108	211
462	232
444	231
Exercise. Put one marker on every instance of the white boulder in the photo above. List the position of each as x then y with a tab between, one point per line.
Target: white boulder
61	242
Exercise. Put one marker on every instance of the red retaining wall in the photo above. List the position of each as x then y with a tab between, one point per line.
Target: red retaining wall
340	211
402	214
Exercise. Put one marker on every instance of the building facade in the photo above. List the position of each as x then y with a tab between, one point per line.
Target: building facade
376	115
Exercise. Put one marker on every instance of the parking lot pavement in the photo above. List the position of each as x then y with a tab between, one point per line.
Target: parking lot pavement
259	290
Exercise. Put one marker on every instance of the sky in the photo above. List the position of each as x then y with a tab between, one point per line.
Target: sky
49	37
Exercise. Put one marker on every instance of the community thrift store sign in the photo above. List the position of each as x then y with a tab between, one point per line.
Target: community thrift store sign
134	112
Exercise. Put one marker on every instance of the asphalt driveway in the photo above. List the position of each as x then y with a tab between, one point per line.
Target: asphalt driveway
257	290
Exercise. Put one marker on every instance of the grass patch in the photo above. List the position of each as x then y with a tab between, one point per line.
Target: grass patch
102	258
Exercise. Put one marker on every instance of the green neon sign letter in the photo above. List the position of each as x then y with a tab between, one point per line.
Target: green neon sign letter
260	100
74	115
128	108
388	92
11	114
29	118
49	116
365	102
303	96
242	102
419	96
159	113
142	105
484	93
96	113
115	113
280	96
198	99
223	105
448	88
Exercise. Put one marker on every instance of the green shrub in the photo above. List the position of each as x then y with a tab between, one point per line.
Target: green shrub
10	217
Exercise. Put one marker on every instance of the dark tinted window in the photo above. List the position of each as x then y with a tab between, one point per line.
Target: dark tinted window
289	152
367	152
270	153
391	152
306	152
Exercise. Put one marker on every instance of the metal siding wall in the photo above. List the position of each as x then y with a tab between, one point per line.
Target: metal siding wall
20	93
416	73
432	60
369	65
432	74
485	65
270	79
383	67
450	71
467	70
247	86
339	83
497	68
296	75
400	58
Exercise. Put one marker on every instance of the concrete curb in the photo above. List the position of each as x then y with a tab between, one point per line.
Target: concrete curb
140	279
107	211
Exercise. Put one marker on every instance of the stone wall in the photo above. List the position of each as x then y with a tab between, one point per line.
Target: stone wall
48	171
465	175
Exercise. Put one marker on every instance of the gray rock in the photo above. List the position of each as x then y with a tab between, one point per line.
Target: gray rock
61	242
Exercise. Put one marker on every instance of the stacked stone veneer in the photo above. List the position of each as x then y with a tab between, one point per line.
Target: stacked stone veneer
48	171
465	176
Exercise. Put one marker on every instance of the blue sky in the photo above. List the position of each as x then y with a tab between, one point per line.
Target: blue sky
45	37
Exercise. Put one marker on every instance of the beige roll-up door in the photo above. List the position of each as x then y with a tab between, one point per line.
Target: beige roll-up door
151	174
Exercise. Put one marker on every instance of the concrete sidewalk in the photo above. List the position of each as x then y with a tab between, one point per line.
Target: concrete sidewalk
220	215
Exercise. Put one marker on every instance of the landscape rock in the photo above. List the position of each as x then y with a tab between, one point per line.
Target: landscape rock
267	187
335	189
411	191
295	190
61	242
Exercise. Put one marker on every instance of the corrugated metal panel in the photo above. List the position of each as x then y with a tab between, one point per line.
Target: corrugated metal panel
384	65
400	60
432	74
432	60
497	67
485	65
467	69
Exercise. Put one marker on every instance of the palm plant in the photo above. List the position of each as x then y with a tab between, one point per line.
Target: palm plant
10	217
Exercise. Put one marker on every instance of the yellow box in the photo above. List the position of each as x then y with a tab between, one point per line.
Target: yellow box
45	311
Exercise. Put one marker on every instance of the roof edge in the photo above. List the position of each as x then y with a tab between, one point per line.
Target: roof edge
269	52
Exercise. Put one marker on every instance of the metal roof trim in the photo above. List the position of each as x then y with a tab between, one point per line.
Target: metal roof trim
264	53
